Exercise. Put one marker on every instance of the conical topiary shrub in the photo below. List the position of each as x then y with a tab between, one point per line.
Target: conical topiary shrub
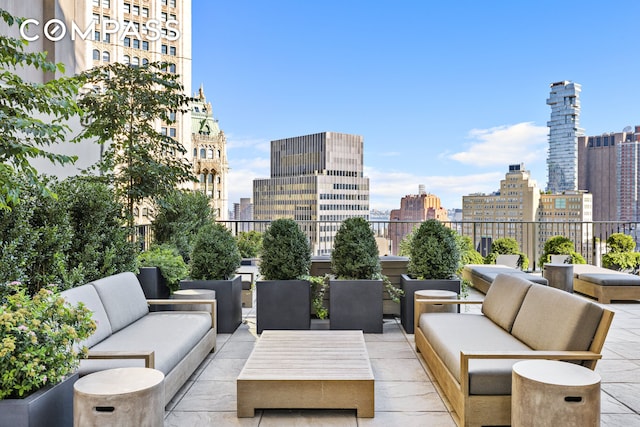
434	252
355	252
286	253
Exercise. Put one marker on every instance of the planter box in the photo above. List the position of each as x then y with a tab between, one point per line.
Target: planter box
50	406
410	286
356	305
283	304
392	266
229	297
154	286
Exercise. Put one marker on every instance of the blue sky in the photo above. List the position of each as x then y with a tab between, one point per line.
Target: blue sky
445	94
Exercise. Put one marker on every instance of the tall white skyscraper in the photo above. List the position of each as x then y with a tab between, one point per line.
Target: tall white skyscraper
564	130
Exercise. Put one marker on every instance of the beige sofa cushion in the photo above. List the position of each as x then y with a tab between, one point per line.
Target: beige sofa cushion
551	319
504	298
122	298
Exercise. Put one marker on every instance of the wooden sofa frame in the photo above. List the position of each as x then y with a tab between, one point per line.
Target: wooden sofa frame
479	410
606	294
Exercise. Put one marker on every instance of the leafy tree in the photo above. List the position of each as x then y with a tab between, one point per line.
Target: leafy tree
468	254
100	246
560	245
181	214
32	115
249	243
122	113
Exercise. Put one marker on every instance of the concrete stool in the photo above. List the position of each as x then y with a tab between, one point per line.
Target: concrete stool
559	276
554	393
119	397
194	294
437	294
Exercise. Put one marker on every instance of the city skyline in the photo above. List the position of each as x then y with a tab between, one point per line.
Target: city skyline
444	95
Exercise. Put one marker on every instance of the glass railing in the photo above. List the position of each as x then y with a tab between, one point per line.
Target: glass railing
589	238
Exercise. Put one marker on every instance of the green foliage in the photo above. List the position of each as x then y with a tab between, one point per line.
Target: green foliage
405	244
319	286
355	252
249	243
435	252
35	237
620	242
560	245
468	254
39	335
32	116
169	261
215	254
181	214
507	246
623	261
122	114
286	253
100	246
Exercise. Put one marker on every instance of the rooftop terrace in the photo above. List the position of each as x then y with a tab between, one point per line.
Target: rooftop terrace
404	392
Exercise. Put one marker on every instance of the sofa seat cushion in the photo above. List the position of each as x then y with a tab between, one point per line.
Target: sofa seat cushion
451	333
608	279
88	295
171	335
488	272
122	298
551	319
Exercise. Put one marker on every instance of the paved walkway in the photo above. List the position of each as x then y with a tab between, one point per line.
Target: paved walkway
405	396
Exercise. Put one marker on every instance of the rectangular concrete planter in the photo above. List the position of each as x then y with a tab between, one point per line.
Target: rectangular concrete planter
356	305
51	406
154	286
283	304
410	286
229	298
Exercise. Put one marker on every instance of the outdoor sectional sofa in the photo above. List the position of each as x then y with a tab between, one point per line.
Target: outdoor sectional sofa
482	275
471	355
604	284
127	334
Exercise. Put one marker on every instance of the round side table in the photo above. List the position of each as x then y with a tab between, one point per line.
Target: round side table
119	397
560	276
194	294
437	294
554	393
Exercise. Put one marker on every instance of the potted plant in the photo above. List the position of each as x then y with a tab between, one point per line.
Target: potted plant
356	292
621	254
507	246
161	269
214	261
434	257
39	355
284	298
560	245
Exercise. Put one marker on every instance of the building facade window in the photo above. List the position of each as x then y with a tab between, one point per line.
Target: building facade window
172	51
145	45
127	8
126	42
106	57
96	55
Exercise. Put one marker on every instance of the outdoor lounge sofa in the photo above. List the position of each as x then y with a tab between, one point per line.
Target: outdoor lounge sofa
482	275
604	284
471	355
127	334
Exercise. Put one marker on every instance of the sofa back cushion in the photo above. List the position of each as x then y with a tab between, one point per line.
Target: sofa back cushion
551	319
88	295
123	299
504	298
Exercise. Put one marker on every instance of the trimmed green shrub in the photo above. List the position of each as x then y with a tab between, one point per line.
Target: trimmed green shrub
215	254
621	255
286	253
180	216
355	252
101	245
507	246
620	242
167	258
249	243
435	253
468	254
560	245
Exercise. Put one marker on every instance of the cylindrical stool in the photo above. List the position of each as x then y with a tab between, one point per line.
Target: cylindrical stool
119	397
554	393
559	276
194	294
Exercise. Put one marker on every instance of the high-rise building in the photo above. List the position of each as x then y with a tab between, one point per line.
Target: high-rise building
565	214
317	180
209	155
564	130
414	208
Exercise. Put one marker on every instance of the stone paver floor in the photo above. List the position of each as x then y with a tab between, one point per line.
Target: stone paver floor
404	393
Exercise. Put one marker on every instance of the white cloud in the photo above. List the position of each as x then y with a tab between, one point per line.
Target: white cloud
387	188
243	143
503	145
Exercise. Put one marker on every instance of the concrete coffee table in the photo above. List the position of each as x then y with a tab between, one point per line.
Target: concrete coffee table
307	370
